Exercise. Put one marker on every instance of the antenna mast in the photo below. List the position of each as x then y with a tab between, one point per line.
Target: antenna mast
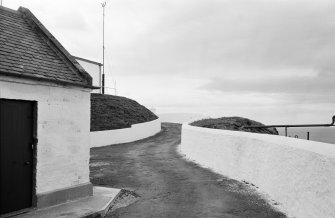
103	47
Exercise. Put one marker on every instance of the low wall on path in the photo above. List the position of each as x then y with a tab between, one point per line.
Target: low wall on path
117	136
298	174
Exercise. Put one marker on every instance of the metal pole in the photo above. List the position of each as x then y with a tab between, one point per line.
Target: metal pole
307	135
286	131
100	77
103	47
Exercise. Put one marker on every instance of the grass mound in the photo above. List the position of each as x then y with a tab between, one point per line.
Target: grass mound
114	112
234	123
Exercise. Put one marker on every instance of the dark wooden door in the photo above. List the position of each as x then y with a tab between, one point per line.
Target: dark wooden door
16	155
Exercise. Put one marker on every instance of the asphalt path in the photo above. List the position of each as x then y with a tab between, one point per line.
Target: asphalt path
167	185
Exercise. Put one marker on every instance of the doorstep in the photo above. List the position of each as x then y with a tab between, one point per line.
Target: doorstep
93	206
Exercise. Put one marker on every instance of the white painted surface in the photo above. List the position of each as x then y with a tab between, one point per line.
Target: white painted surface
95	72
136	132
298	174
63	128
92	206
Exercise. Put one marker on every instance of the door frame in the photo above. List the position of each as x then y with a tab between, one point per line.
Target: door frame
34	156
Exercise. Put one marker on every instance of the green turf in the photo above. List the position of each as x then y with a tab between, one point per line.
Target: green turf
115	112
234	123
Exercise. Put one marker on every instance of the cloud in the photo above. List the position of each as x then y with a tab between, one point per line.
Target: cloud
209	37
71	21
253	58
280	49
321	84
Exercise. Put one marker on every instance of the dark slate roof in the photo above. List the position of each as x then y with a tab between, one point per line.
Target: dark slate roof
28	50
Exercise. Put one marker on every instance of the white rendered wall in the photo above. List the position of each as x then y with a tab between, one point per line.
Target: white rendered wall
117	136
94	71
63	128
298	174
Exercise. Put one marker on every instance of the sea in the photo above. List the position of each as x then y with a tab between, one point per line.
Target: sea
320	134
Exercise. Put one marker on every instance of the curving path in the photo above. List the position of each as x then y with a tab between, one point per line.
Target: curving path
170	186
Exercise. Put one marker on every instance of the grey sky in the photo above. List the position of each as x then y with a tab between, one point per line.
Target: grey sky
251	58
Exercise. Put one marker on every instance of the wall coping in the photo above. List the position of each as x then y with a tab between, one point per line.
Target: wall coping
132	125
321	148
117	136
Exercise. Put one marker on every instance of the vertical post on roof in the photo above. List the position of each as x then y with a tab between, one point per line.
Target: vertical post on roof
103	47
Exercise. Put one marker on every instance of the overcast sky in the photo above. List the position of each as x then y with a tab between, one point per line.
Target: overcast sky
268	60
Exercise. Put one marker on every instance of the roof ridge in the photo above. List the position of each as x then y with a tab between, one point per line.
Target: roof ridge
35	23
9	10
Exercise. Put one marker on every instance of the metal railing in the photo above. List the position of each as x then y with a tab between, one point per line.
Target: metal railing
299	125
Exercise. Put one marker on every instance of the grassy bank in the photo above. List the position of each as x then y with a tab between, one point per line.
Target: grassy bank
234	123
114	112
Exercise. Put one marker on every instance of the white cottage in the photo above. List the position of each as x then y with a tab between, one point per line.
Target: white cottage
44	117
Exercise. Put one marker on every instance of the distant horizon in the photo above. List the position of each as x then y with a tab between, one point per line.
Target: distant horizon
268	120
225	115
320	134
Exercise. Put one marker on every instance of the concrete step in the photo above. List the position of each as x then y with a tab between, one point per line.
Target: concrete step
93	206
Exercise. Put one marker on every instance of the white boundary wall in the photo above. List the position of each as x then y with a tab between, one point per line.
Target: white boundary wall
117	136
298	174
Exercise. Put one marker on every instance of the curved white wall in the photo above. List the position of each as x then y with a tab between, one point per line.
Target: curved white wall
298	174
117	136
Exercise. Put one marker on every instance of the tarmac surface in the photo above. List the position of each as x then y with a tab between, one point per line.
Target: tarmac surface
166	185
